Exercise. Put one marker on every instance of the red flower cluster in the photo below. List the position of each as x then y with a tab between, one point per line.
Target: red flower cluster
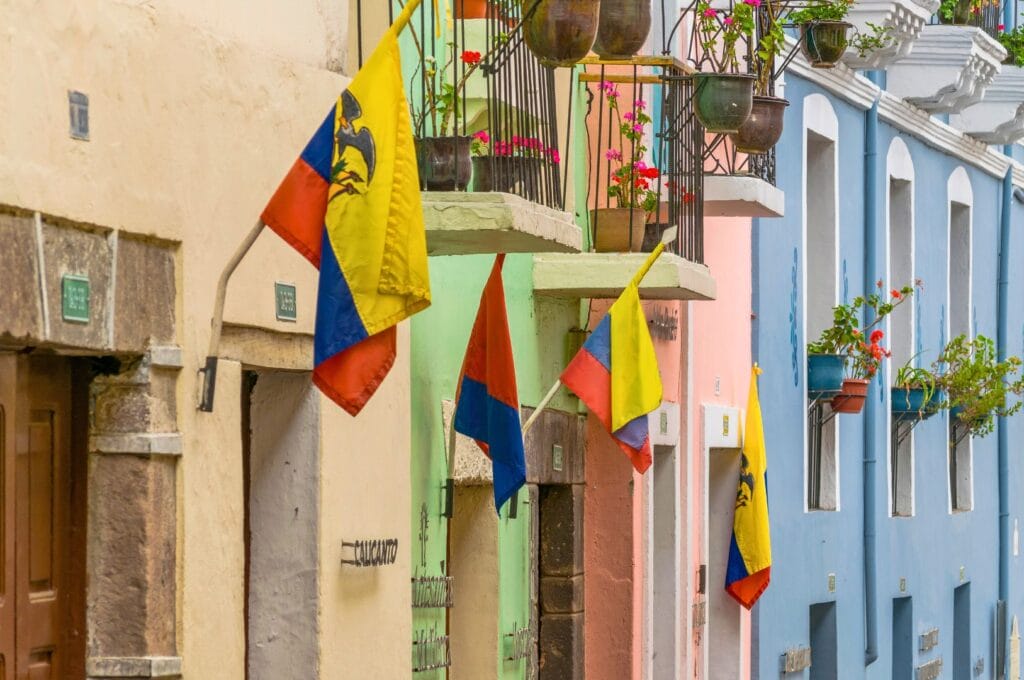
470	57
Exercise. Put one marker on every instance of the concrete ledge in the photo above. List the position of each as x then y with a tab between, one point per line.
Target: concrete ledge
742	196
165	356
133	667
467	223
141	444
261	348
472	467
604	275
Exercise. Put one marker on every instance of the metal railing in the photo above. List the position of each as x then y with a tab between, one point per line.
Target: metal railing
988	17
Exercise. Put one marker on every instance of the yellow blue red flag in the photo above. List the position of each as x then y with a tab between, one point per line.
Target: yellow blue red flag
615	373
351	205
750	552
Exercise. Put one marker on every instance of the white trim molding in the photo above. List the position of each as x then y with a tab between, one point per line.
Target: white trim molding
949	69
999	117
904	20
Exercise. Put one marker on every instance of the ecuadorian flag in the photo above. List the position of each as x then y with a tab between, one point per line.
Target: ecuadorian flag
615	373
351	205
750	552
487	402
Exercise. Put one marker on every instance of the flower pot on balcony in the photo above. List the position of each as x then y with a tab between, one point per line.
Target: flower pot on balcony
622	28
444	163
962	15
851	397
509	174
470	9
618	230
561	32
908	403
824	42
824	374
722	101
763	127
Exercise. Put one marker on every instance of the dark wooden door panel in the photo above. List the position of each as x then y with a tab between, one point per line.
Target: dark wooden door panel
8	364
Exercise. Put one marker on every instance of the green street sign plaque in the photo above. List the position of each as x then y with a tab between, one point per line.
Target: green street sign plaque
284	297
74	298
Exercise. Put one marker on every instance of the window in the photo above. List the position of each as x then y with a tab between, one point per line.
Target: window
961	492
821	267
824	652
900	323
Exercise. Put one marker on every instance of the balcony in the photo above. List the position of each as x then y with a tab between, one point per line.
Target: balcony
999	117
949	69
903	19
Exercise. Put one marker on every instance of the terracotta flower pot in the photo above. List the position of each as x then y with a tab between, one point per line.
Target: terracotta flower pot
614	232
851	398
561	32
444	163
763	127
722	101
470	9
824	42
622	28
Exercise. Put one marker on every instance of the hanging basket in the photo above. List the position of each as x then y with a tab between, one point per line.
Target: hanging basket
824	42
763	127
561	32
824	374
908	403
444	163
851	397
622	28
722	101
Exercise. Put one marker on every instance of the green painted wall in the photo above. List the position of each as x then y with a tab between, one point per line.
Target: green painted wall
439	337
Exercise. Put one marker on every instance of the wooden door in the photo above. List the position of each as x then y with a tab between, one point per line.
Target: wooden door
39	616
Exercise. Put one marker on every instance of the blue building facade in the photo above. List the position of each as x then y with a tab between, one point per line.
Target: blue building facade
887	563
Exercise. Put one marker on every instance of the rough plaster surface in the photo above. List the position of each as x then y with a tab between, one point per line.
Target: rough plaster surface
284	495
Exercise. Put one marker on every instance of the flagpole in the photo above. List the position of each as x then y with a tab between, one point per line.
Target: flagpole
209	370
403	18
449	485
637	278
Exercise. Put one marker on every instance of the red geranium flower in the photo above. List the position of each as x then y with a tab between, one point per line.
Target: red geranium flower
876	336
650	173
896	294
470	57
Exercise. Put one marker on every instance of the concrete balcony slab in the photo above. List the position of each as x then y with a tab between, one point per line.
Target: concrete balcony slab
999	117
604	275
742	196
470	223
904	20
949	69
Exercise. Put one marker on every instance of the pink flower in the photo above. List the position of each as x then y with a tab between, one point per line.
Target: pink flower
1001	27
753	3
728	21
613	155
629	116
638	128
640	165
553	153
640	103
483	136
710	13
517	140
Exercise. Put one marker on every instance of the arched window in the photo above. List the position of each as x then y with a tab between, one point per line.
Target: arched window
958	318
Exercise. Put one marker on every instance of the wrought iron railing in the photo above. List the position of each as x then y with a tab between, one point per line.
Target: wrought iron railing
988	16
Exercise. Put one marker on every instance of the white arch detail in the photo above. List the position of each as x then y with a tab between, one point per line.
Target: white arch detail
959	187
819	116
899	164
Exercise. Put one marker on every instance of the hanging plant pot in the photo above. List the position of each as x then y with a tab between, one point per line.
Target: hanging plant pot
851	397
618	230
722	101
824	42
561	32
444	163
622	28
470	9
763	127
908	403
824	374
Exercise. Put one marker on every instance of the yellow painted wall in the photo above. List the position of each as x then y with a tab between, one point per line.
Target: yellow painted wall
197	109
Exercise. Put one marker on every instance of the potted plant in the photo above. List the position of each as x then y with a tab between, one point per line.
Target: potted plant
507	166
915	393
723	97
823	31
443	158
471	9
977	384
560	32
622	28
961	12
763	127
621	229
1013	41
860	350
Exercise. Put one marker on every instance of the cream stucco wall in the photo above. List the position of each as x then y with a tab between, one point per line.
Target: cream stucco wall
197	110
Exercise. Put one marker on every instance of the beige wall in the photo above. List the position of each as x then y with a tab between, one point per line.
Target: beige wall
197	109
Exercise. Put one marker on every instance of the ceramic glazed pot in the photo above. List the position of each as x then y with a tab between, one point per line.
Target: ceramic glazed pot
561	32
909	403
824	374
763	127
622	28
851	398
722	101
444	163
824	42
614	232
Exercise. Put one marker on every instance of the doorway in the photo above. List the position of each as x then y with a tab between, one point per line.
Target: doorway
43	469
